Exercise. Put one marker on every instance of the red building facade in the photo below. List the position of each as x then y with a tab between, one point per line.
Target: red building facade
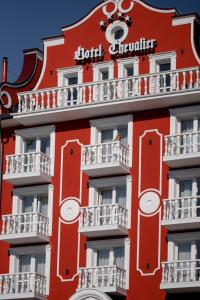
100	194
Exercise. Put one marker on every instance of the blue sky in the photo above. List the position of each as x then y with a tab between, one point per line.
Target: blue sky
23	23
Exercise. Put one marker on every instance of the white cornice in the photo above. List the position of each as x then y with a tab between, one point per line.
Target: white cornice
182	20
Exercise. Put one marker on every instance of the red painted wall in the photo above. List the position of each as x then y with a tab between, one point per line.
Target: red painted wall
149	24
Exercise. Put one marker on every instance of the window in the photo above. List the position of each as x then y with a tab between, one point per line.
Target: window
108	253
128	68
162	63
184	185
185	129
35	140
69	78
30	201
183	247
106	192
108	130
32	259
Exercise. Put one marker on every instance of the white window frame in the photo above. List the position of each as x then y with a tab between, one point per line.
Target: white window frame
109	123
36	132
159	58
96	184
97	67
124	62
31	250
65	73
18	193
181	114
94	246
185	174
174	239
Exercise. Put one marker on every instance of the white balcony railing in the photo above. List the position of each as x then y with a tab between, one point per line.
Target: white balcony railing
181	208
181	272
105	153
25	223
110	90
22	283
185	143
103	215
27	163
102	278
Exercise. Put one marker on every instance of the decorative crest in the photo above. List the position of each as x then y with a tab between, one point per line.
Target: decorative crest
117	6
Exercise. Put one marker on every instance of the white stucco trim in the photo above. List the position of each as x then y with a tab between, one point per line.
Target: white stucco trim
89	293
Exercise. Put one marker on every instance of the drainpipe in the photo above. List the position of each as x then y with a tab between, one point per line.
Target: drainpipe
4	69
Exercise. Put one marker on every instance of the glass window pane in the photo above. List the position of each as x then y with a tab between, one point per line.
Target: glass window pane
43	205
73	80
107	136
164	67
129	71
185	188
184	251
40	263
105	196
24	263
29	145
103	257
104	75
122	135
186	126
27	204
121	195
45	145
119	257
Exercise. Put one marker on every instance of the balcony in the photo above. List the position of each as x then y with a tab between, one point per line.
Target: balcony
105	279
25	228
23	286
182	213
103	220
105	159
121	95
181	276
28	168
182	150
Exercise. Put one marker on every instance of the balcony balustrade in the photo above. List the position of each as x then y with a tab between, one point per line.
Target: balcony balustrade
22	286
106	279
28	168
25	228
105	159
103	220
110	90
181	276
182	213
182	150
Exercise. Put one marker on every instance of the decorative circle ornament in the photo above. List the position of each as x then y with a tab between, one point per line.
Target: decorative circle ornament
117	6
70	210
116	32
9	99
149	202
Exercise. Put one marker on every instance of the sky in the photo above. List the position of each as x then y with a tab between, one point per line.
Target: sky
23	23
